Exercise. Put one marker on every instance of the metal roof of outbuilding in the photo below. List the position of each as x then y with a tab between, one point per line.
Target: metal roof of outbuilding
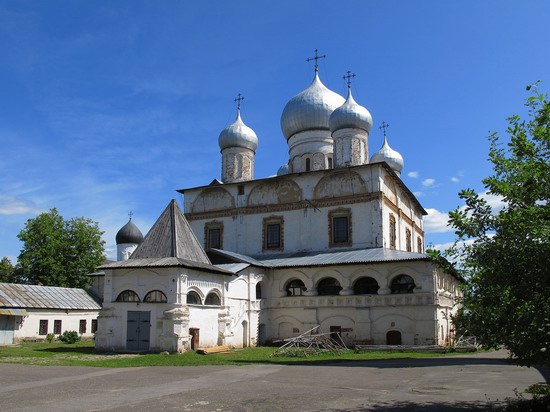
45	297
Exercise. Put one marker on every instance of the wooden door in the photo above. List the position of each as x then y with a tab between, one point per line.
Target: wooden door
194	332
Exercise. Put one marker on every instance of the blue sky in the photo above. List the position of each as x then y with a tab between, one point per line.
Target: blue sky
110	106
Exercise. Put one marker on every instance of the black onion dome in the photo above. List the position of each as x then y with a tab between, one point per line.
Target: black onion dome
129	233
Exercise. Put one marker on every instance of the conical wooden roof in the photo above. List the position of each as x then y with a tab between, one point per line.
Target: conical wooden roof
171	236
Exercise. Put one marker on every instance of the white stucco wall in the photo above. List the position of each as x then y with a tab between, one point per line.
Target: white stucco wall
27	327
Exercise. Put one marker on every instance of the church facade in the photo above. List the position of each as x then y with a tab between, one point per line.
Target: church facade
334	240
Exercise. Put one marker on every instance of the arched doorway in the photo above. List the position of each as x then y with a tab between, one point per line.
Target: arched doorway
393	337
245	333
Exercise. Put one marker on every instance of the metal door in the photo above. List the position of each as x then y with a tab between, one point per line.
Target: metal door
7	327
138	329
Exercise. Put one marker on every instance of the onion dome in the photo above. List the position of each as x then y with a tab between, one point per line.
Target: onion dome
283	170
310	109
390	156
237	134
129	233
350	115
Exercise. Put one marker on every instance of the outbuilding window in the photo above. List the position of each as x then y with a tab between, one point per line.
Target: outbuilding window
82	326
57	327
43	327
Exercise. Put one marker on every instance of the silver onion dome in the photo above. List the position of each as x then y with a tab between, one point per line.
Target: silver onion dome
310	109
237	134
283	170
129	233
390	156
350	115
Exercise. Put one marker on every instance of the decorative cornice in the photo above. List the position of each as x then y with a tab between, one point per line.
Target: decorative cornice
274	208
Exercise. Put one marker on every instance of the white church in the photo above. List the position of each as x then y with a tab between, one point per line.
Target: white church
335	240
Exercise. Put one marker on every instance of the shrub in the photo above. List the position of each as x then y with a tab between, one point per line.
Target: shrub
50	337
69	336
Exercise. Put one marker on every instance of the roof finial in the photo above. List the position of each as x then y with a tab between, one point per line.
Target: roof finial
349	75
384	126
316	58
131	214
238	100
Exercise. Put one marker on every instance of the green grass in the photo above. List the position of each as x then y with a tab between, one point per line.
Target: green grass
83	354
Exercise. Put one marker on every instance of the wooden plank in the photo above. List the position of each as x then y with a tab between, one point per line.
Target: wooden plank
214	349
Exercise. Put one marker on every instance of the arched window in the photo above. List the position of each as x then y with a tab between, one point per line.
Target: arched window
295	288
419	244
212	299
155	296
402	284
408	240
259	290
127	296
193	298
329	286
365	286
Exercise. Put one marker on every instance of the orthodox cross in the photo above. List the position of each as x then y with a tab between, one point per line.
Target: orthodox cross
384	126
131	214
316	58
349	75
238	100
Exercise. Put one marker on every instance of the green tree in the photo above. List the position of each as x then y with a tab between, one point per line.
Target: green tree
505	255
58	252
6	270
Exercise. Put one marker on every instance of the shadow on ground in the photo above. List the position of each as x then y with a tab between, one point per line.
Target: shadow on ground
508	405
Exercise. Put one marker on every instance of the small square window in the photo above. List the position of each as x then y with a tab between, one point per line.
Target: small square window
240	189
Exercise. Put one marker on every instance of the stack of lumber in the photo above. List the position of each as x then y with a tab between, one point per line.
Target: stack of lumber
214	349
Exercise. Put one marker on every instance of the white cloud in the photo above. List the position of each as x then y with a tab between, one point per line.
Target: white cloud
496	202
418	194
455	179
436	222
413	174
10	205
428	182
